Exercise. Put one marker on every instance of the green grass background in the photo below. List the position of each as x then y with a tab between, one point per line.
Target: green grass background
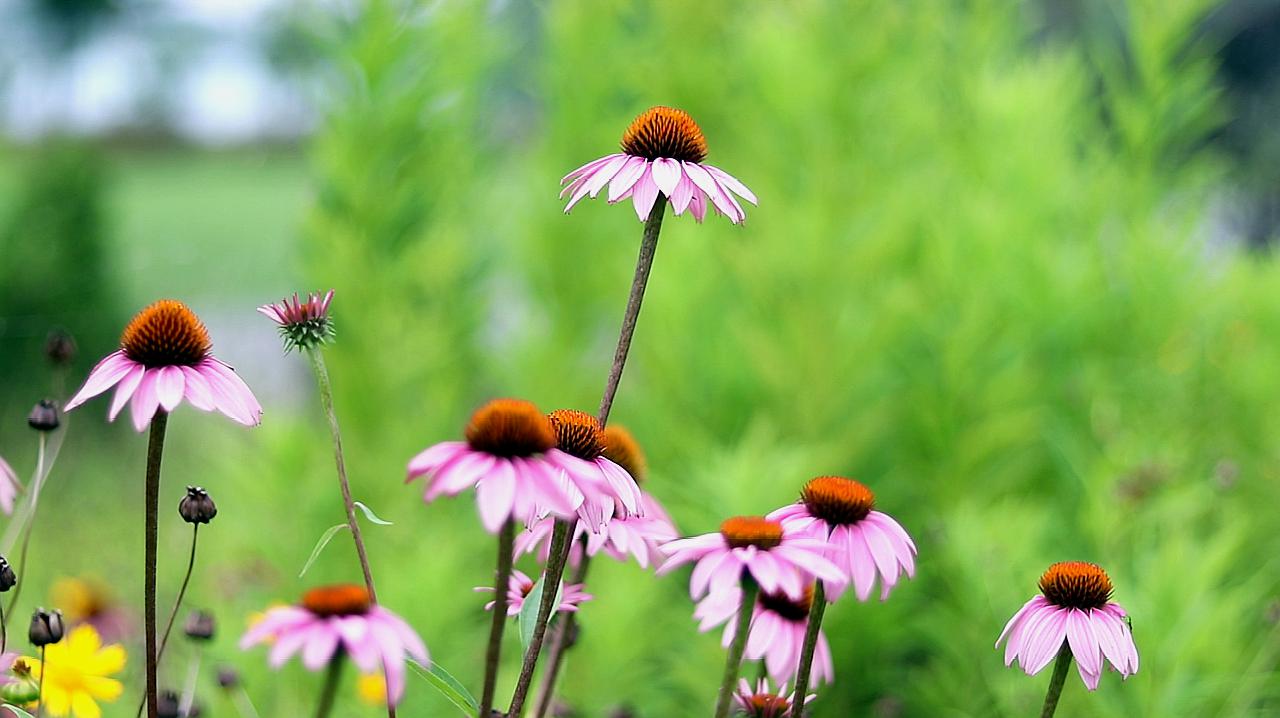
978	280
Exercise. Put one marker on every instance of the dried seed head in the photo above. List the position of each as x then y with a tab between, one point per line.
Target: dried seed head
510	427
8	579
44	416
167	333
744	531
199	626
665	132
197	506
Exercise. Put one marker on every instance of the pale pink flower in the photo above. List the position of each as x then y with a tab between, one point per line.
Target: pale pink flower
342	619
865	544
9	486
303	324
507	458
521	585
638	537
1075	608
779	559
165	358
778	625
662	151
761	701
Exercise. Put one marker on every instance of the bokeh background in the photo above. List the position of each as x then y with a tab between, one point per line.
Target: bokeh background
1011	267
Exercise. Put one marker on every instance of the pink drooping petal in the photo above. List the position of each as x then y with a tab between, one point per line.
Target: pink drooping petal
245	408
727	180
145	400
197	390
738	215
812	562
585	169
644	194
700	580
1048	640
103	376
666	175
1090	679
170	386
275	621
288	643
1026	607
321	644
597	179
1019	645
698	205
708	185
881	551
860	564
683	194
1083	642
125	389
772	576
434	457
624	487
495	495
626	178
460	474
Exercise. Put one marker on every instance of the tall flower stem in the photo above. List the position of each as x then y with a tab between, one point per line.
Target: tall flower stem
40	685
749	591
155	452
4	632
644	263
506	542
177	604
29	520
332	677
556	558
817	609
1060	667
560	641
326	398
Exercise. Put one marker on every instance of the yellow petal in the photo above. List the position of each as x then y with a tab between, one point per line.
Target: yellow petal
57	701
105	662
106	689
372	689
84	707
83	641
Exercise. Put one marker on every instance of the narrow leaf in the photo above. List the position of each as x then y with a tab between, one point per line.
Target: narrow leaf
16	712
528	617
369	514
448	686
325	538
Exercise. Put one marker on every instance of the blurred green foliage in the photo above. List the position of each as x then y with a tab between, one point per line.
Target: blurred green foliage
978	281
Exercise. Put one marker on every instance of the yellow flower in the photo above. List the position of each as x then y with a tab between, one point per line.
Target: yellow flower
76	674
80	599
372	689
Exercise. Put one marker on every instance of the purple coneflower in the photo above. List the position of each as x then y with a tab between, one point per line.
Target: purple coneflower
866	544
777	633
608	487
1075	610
521	586
777	558
761	701
340	620
662	151
637	537
507	458
303	324
165	357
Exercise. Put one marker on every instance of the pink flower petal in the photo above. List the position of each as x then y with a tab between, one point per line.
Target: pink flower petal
644	194
666	175
169	387
626	178
110	370
145	400
321	644
495	495
727	180
683	194
125	389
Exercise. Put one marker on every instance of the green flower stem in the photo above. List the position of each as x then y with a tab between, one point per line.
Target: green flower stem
556	559
560	643
1060	667
155	452
40	688
243	703
506	542
332	677
644	263
37	483
177	604
817	609
750	589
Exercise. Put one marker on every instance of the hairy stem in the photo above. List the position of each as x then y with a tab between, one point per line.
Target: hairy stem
1061	665
155	452
560	643
749	591
556	559
644	263
177	604
817	608
506	542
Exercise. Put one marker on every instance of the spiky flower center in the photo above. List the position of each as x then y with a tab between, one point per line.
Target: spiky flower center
1076	584
837	500
510	427
665	132
578	433
787	607
744	531
767	705
341	600
621	448
166	333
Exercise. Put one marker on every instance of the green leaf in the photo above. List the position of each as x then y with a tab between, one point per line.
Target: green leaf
325	538
369	514
528	616
16	712
449	687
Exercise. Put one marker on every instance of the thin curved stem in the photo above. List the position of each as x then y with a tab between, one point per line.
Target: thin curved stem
560	643
734	661
40	688
817	608
155	453
37	483
1060	667
244	704
4	632
177	604
644	263
493	654
330	690
556	559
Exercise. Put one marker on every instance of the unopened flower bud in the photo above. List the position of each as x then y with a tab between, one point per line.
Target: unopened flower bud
228	677
44	416
168	704
60	347
46	627
8	579
199	626
20	692
197	507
